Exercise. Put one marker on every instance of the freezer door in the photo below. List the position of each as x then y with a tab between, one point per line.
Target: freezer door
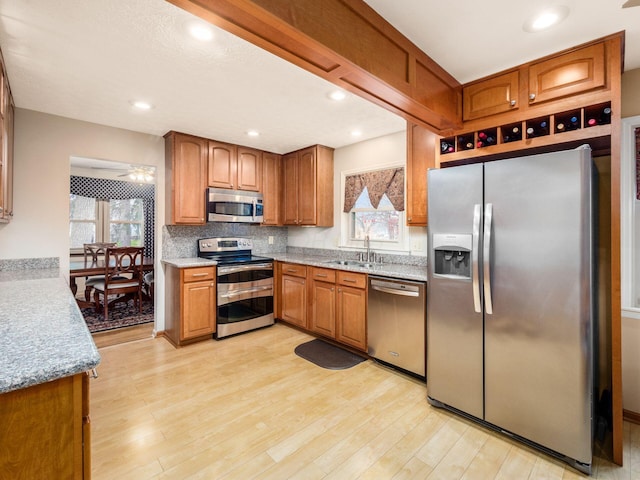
454	319
538	338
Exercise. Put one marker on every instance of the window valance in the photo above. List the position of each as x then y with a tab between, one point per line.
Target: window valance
379	182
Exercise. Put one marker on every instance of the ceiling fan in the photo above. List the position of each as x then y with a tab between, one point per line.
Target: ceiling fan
140	174
631	3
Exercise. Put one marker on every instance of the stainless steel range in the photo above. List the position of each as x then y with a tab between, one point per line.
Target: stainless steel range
244	285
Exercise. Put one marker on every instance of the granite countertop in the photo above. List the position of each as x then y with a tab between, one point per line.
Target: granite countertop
189	262
392	270
43	335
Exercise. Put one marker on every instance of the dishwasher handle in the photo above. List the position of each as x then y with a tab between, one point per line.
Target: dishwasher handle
395	291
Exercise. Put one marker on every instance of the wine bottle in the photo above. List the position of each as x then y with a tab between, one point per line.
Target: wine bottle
511	135
446	147
604	118
574	123
538	130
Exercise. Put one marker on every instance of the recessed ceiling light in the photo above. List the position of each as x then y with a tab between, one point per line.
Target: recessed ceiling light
356	133
201	32
337	95
140	105
546	19
253	133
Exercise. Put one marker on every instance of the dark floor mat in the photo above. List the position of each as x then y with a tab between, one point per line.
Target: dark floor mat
326	355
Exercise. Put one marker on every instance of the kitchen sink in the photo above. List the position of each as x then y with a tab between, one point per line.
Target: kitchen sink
351	263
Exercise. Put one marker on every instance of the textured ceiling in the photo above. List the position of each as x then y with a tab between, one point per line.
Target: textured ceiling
472	39
89	59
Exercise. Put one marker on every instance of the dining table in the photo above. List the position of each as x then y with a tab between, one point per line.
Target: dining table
88	268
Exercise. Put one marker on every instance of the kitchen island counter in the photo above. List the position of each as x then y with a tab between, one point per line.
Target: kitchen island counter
43	336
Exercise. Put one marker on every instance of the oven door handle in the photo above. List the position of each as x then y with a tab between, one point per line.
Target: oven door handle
226	270
237	295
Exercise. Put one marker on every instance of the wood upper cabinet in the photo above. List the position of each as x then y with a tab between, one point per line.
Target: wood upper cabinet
46	430
6	149
186	176
293	292
234	167
493	95
421	155
308	187
271	182
223	165
322	301
575	72
351	313
190	304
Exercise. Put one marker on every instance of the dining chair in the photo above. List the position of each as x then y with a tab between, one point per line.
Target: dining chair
122	277
92	253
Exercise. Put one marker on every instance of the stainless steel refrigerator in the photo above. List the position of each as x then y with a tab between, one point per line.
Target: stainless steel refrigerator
510	298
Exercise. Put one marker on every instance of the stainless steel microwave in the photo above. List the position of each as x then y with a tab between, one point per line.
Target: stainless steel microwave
234	206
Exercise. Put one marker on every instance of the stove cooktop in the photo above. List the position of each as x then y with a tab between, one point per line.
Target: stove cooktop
228	250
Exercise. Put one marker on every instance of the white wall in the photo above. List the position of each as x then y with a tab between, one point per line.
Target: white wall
367	155
43	145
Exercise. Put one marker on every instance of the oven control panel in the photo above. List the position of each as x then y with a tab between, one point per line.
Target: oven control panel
224	244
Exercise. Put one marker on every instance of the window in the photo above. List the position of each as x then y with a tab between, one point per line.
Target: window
83	220
382	223
93	220
385	224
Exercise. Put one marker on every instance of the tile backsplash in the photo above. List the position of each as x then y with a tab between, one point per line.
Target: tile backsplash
180	241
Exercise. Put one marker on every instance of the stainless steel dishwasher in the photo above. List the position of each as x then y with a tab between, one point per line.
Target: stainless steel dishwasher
396	323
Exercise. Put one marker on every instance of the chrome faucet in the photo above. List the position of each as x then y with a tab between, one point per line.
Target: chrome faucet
367	245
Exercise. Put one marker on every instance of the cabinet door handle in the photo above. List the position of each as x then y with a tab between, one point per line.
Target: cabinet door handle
532	97
513	103
199	274
321	275
349	280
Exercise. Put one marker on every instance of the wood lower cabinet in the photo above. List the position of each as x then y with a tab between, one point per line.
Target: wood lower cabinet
331	303
308	187
190	304
45	430
186	175
351	316
322	301
293	294
421	156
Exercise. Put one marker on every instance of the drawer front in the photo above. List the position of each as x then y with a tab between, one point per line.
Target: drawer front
323	274
349	279
294	269
198	274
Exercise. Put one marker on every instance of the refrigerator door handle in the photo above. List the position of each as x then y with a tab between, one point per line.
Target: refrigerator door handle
486	259
475	274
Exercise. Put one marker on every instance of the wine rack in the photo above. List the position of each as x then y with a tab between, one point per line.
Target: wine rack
575	124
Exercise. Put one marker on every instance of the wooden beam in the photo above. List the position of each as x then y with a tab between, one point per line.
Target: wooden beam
347	43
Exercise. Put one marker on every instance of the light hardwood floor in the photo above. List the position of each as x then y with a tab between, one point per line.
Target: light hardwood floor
248	407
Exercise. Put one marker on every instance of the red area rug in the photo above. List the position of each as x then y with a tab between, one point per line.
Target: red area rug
121	315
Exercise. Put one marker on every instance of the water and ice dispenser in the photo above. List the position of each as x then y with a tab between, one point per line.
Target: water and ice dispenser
452	255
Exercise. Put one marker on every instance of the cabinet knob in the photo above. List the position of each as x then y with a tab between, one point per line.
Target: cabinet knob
513	103
532	97
410	219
